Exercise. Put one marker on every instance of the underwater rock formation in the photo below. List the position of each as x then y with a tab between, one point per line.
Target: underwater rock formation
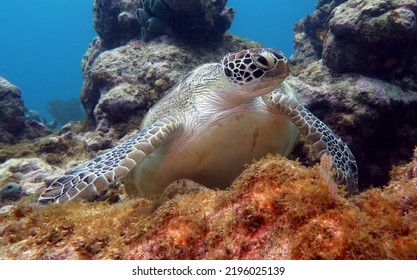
119	21
34	164
377	119
276	209
10	191
12	116
115	21
371	104
123	83
30	174
195	20
14	127
373	37
310	32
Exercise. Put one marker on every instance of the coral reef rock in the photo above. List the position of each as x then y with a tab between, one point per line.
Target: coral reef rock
14	127
10	191
310	32
12	117
356	71
115	21
377	119
123	83
31	174
195	20
372	37
119	21
276	209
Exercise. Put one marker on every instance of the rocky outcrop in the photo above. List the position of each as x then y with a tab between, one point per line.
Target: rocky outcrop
195	21
12	116
115	21
356	71
373	37
14	126
31	174
378	120
124	75
310	32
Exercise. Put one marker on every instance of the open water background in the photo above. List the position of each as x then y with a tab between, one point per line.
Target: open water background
42	42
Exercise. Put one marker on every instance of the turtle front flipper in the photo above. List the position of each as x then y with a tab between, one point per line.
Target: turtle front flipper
319	135
88	178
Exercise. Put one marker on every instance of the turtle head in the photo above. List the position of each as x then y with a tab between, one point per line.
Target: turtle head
255	71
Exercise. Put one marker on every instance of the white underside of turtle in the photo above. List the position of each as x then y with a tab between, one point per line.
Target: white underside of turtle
215	155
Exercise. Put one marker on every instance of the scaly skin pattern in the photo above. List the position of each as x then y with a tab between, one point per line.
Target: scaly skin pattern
173	136
319	135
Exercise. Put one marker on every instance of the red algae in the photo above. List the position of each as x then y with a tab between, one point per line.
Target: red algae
276	209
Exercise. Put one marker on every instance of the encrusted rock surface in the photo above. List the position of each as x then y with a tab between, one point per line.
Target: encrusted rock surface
115	21
30	173
355	69
12	117
14	127
124	76
373	37
34	165
197	21
123	83
377	119
311	31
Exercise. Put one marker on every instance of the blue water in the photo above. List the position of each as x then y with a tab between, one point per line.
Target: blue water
41	46
270	22
42	42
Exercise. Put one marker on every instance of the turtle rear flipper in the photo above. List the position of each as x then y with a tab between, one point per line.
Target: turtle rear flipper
92	176
319	135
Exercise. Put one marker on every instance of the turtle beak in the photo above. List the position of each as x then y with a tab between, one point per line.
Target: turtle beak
281	69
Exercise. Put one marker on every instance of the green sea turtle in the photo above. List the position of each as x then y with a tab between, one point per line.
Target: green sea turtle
208	126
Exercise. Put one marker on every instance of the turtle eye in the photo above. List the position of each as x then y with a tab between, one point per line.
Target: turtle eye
262	60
